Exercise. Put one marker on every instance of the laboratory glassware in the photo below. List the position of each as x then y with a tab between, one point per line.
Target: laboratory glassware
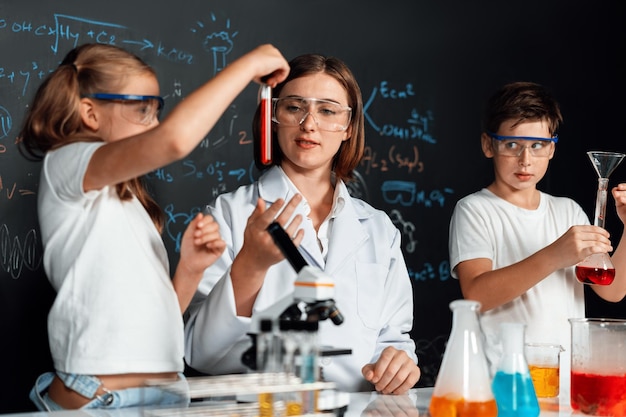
463	383
544	363
512	385
598	268
598	372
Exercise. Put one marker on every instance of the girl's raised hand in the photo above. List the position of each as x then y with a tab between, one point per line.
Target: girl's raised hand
271	67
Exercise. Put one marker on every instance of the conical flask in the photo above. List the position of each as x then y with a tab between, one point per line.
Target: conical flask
512	384
598	268
463	385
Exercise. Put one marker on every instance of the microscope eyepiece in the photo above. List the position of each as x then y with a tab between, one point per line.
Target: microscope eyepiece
335	315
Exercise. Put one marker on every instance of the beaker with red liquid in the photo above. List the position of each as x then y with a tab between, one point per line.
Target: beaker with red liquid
598	369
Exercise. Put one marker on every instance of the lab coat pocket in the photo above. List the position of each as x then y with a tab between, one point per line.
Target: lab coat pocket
370	293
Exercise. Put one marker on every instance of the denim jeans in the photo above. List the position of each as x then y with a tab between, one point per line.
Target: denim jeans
175	394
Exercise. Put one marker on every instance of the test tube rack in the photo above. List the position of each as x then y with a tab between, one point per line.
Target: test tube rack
237	395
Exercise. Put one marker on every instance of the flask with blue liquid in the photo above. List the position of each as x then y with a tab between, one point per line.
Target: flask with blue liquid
512	385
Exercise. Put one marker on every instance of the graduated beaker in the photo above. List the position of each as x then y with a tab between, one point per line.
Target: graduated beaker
463	383
598	268
544	365
598	371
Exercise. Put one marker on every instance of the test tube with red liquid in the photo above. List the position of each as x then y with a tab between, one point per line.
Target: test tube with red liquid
265	101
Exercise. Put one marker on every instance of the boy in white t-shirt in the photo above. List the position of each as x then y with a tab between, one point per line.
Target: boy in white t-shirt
513	247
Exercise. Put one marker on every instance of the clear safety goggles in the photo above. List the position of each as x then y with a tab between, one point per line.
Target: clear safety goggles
515	145
135	108
328	115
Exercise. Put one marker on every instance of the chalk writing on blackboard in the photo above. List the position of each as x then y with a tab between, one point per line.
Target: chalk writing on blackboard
218	43
69	31
15	254
176	223
429	272
407	229
9	191
417	125
433	348
405	193
394	158
6	122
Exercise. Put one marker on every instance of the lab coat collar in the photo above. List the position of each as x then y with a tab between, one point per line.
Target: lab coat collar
274	184
347	235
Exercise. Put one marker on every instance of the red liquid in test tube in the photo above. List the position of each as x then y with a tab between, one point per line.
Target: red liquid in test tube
266	124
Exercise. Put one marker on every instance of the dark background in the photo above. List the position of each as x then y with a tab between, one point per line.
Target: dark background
425	70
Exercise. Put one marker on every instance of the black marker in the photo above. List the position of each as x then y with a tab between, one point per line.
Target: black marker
284	243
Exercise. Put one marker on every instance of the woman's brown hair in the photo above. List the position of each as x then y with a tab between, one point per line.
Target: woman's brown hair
351	151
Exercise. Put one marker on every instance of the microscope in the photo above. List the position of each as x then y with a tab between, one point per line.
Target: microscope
311	300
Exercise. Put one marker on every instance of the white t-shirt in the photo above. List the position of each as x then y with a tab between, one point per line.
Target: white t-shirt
486	226
116	310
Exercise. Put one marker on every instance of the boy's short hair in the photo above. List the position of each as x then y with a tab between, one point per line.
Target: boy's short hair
522	101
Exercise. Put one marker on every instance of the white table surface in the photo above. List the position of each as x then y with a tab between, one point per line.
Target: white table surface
414	404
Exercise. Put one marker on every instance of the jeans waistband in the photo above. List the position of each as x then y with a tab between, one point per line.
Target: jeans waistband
85	385
175	394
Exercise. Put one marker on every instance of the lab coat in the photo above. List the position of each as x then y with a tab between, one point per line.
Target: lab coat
372	287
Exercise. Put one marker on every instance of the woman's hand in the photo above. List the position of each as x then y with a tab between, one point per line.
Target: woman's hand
259	249
393	373
259	252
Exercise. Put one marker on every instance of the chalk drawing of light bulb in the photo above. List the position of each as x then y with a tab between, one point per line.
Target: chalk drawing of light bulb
219	44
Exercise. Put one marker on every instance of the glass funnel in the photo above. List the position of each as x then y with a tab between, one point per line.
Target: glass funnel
598	268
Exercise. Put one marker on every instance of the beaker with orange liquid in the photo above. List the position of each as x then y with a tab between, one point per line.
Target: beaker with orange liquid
544	365
463	384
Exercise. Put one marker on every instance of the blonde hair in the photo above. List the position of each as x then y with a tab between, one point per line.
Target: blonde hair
53	119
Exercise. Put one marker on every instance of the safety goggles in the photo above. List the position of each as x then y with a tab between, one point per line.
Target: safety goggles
135	108
328	115
515	145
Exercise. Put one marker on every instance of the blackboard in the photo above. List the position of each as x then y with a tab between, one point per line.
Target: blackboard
425	70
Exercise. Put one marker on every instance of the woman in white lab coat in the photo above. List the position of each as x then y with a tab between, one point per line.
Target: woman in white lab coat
318	138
